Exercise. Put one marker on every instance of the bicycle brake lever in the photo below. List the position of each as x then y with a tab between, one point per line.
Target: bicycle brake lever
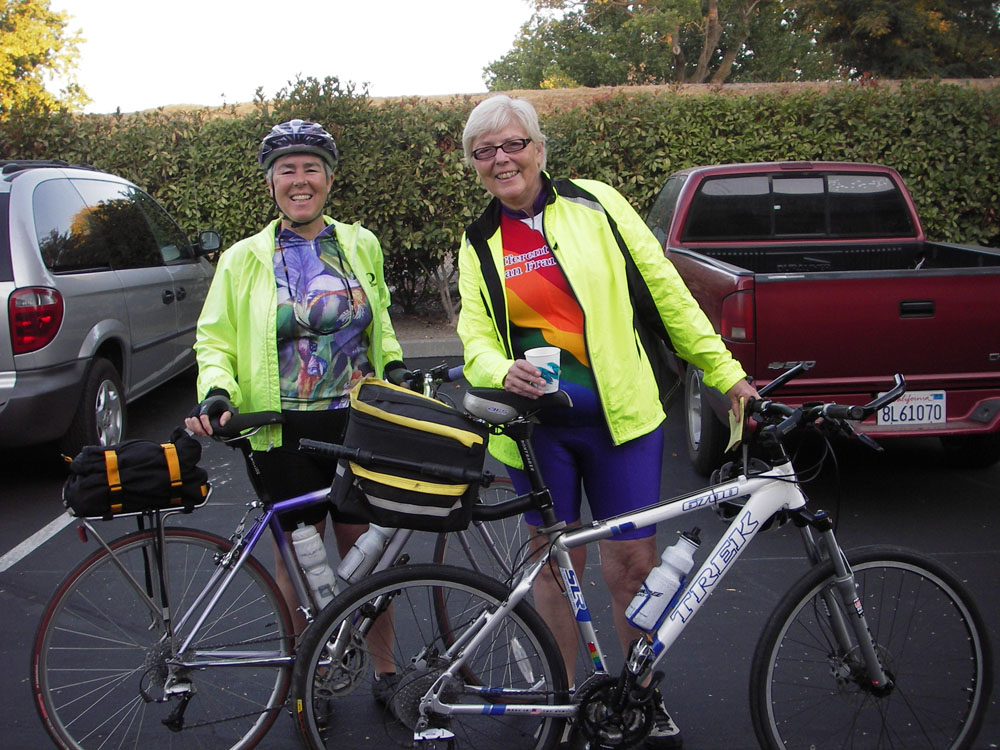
867	441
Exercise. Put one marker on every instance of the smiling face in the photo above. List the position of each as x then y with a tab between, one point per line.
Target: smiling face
300	185
516	179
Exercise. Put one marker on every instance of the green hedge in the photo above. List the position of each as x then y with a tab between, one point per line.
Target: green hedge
403	176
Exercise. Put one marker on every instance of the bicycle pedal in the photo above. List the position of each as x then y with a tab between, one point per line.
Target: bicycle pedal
434	738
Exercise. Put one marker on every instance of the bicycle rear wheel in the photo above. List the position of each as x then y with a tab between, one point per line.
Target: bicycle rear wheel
101	654
519	664
493	548
808	691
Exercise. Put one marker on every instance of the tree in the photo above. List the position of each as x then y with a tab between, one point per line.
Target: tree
612	42
35	47
908	38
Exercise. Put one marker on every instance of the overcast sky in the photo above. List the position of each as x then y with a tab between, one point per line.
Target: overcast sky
140	54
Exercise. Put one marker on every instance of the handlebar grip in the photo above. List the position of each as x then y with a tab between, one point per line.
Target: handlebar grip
839	411
240	422
326	450
454	373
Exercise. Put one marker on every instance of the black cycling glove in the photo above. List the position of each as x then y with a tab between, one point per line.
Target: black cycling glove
216	404
396	373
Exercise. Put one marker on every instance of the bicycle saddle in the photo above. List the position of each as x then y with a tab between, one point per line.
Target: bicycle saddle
497	406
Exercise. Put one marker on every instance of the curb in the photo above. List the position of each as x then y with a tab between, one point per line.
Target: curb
449	346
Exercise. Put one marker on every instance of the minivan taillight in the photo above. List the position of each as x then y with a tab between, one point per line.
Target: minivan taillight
35	314
737	316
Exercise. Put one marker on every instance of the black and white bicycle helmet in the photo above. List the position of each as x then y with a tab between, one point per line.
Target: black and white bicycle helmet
294	137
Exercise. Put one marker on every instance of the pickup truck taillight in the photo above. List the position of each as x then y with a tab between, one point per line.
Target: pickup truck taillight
737	316
35	314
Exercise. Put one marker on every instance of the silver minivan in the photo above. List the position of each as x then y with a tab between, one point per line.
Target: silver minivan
102	291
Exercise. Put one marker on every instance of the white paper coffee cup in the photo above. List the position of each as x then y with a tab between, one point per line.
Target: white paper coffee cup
546	359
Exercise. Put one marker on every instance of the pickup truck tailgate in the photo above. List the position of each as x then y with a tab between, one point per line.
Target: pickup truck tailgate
859	329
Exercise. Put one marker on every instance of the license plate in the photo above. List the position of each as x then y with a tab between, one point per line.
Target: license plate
915	407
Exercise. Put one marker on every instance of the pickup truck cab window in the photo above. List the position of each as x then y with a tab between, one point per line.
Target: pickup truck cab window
867	206
764	207
730	208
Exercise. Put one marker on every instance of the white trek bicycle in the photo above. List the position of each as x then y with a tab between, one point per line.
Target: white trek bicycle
879	647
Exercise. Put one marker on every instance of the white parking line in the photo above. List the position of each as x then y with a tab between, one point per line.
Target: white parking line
35	541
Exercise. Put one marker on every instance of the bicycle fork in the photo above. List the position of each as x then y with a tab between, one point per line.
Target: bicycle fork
846	617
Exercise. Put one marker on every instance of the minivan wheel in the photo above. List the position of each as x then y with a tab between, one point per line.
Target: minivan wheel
100	416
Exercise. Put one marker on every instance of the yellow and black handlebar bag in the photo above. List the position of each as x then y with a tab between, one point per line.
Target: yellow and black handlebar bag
395	422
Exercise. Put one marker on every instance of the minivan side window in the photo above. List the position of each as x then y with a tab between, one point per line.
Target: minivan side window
116	216
170	238
64	229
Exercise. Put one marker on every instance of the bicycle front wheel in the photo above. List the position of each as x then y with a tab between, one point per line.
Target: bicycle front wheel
493	548
103	657
810	690
519	664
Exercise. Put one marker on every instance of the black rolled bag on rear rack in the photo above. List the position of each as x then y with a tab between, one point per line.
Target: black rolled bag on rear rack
136	476
396	422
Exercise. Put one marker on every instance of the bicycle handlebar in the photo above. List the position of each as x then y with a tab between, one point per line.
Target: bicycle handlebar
367	458
784	419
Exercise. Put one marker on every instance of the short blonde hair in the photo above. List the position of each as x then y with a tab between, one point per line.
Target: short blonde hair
496	113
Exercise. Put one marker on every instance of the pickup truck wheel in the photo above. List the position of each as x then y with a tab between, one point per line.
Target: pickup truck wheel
972	451
706	435
100	417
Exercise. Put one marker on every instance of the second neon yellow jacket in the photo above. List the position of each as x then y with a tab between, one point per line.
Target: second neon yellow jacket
236	342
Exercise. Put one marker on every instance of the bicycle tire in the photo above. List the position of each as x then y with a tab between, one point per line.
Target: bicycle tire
493	548
98	646
521	657
805	692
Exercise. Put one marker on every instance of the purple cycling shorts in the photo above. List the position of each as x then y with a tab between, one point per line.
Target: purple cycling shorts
616	478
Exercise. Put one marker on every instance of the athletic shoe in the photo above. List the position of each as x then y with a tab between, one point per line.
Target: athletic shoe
384	687
664	733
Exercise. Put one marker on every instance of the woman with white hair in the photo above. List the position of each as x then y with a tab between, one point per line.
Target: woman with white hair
545	265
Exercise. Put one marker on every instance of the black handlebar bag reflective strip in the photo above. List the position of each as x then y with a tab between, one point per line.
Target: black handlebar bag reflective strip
396	422
136	476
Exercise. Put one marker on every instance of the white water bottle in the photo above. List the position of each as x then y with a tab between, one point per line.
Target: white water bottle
657	592
311	552
367	550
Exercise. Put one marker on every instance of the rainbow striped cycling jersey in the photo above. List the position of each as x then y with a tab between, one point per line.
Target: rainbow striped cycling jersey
543	311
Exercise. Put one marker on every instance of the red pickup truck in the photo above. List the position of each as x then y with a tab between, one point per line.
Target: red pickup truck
827	263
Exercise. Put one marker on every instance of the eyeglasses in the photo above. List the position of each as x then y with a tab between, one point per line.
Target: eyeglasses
509	147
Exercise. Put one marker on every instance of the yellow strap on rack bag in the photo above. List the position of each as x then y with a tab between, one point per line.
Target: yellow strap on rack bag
111	468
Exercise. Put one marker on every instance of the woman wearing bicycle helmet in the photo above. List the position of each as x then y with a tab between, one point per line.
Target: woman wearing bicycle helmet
296	315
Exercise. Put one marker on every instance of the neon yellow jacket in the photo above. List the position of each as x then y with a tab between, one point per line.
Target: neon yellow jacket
236	342
584	245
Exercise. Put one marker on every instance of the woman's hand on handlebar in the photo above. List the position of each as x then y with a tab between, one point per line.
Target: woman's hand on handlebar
742	390
215	408
524	379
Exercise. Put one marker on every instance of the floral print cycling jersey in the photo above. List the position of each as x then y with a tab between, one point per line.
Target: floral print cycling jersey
322	319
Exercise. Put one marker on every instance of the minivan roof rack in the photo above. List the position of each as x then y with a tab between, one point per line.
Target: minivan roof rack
9	166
